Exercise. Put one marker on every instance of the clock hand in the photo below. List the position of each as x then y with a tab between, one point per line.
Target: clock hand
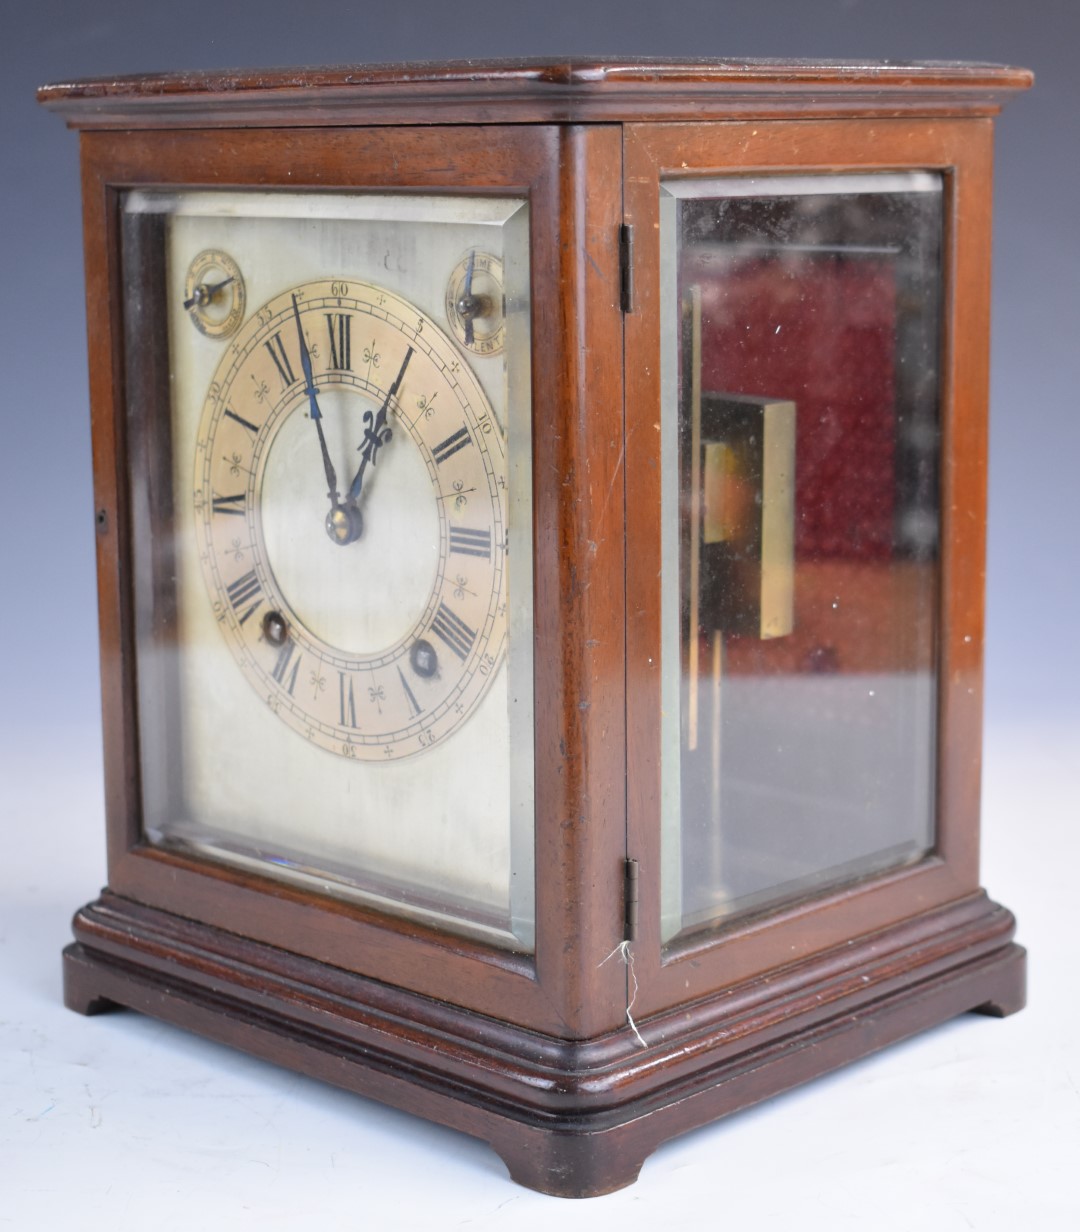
467	304
316	414
376	434
203	294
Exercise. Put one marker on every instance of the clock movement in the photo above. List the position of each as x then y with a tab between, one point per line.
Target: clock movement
540	518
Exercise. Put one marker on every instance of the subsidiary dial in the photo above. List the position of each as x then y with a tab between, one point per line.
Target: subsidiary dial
474	303
350	487
214	294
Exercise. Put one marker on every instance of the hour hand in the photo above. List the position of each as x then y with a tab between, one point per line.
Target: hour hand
376	434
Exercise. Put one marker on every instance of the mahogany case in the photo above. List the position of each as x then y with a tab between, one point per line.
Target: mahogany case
573	1062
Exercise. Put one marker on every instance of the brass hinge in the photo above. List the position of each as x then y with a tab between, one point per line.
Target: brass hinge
626	267
630	900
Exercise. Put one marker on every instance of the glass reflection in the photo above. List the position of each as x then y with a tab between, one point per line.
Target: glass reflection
800	440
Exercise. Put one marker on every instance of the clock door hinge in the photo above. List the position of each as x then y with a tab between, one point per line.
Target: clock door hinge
630	900
626	267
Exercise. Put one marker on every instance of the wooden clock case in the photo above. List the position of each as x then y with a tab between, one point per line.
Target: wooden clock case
535	1053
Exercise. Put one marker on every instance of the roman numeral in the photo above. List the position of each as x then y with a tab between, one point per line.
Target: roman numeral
348	700
281	360
453	631
244	590
414	706
339	324
467	542
281	671
229	504
242	422
454	442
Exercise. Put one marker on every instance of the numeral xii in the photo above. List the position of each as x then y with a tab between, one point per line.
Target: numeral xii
339	325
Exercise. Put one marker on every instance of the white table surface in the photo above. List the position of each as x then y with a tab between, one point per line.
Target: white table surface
121	1122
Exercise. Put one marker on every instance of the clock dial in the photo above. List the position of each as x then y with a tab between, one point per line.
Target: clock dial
351	500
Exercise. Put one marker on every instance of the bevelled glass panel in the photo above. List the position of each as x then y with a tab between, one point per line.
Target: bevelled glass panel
329	427
800	443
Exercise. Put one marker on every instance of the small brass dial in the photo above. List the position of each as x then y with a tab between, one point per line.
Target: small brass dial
214	294
474	303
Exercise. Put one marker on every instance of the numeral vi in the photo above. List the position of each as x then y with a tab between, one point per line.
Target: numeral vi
347	700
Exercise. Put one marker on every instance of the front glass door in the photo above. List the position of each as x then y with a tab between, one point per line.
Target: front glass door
331	492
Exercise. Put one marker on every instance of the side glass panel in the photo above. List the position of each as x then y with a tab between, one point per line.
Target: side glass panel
329	420
800	446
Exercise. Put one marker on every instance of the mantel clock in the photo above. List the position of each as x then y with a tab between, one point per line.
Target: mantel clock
540	545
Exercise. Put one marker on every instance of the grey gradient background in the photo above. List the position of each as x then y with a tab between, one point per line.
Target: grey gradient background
49	724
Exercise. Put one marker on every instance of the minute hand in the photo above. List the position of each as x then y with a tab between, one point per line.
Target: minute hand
316	414
376	434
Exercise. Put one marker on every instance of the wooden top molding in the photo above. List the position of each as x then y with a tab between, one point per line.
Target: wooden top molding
534	91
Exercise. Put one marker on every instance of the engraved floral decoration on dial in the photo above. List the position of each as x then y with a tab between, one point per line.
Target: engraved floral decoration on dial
350	496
